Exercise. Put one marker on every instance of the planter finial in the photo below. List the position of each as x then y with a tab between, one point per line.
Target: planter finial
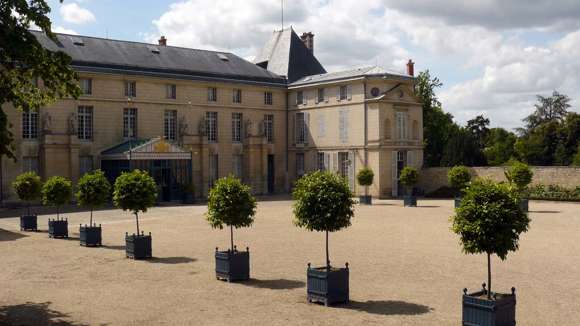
483	286
346	265
248	249
308	265
464	291
513	290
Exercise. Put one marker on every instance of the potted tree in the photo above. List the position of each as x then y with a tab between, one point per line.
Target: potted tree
136	191
408	178
231	203
28	187
94	190
323	203
489	220
57	191
365	178
458	178
520	175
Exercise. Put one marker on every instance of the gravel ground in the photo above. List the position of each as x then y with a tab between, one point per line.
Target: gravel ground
406	269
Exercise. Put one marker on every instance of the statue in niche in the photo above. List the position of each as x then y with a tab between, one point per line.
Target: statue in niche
46	123
248	125
72	124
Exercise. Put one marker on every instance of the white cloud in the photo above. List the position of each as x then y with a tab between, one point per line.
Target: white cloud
60	29
74	14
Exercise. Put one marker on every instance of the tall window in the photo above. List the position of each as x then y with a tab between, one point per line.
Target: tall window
237	95
301	128
268	98
299	98
211	126
299	164
269	127
130	122
170	124
321	125
320	95
343	125
343	93
323	161
131	89
85	122
30	125
212	94
86	85
85	164
30	164
237	166
402	125
171	91
236	127
213	169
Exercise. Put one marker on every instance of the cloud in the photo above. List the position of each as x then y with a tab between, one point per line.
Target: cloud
74	14
60	29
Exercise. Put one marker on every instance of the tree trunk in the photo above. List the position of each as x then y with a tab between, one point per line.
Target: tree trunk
91	221
137	219
232	238
327	256
488	276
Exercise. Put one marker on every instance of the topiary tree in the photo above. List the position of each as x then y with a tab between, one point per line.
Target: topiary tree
323	203
520	175
490	221
94	190
409	177
458	177
135	191
365	178
230	202
28	187
56	191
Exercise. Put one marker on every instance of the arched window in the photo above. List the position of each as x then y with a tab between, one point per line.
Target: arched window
415	130
387	131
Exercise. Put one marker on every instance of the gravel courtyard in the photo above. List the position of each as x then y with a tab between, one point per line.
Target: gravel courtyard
406	269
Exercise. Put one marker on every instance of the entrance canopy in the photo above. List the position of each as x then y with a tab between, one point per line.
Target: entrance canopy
146	149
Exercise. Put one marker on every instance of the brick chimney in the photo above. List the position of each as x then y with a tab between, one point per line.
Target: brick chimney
411	68
163	41
308	39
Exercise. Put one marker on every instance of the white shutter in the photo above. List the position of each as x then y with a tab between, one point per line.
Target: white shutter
306	127
394	174
349	92
327	161
335	162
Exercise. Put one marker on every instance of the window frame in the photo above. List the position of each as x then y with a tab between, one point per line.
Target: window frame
300	98
212	94
30	125
237	95
85	120
268	98
130	88
171	91
319	92
269	127
211	125
130	123
170	125
237	120
86	89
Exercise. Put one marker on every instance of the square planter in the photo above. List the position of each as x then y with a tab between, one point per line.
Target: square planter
457	202
138	246
410	201
232	266
480	311
328	287
366	200
524	205
90	236
58	228
28	223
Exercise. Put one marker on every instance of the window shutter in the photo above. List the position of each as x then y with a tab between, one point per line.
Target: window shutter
335	162
306	127
395	180
349	92
327	161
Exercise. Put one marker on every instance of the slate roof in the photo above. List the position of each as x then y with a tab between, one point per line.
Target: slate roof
372	71
101	55
286	55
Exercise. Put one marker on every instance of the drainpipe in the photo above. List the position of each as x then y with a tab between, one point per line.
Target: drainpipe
366	124
287	181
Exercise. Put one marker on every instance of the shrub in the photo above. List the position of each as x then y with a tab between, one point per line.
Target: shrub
28	187
458	177
490	220
56	191
135	191
230	202
520	175
409	176
365	177
93	190
554	192
323	203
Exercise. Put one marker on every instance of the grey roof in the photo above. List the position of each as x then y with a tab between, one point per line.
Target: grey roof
97	54
286	55
373	71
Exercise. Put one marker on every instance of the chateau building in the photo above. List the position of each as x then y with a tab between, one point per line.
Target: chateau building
191	116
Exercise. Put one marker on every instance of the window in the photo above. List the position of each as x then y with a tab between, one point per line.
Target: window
130	122
131	89
323	161
343	125
85	164
86	85
170	124
211	126
171	91
299	164
268	98
299	98
320	95
237	166
212	94
321	125
269	127
301	128
402	128
30	125
213	169
85	122
237	95
236	127
30	164
344	93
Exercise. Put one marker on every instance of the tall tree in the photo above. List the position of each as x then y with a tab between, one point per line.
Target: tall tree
478	126
548	109
499	146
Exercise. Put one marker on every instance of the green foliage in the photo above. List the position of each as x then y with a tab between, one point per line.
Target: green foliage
409	176
459	177
489	219
548	109
322	202
576	159
230	202
56	191
499	146
365	176
93	189
135	191
554	192
462	148
27	186
520	175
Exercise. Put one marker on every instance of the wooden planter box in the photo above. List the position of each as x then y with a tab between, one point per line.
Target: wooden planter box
524	205
328	287
138	246
28	223
457	202
58	228
232	266
479	311
410	201
366	200
90	236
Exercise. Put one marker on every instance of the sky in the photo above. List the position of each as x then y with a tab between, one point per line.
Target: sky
492	56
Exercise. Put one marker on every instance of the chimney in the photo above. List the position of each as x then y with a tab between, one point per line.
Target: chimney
411	68
163	41
308	39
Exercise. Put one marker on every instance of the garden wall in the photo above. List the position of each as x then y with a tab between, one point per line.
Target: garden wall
431	179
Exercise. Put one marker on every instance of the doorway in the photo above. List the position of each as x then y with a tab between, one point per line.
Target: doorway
271	174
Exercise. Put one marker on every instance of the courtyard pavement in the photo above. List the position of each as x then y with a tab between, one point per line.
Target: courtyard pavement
406	268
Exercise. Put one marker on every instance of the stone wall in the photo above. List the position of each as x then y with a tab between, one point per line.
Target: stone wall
431	179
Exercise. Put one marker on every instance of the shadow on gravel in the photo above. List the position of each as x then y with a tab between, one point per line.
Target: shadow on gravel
113	247
427	206
34	314
279	284
387	307
545	212
170	260
6	235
